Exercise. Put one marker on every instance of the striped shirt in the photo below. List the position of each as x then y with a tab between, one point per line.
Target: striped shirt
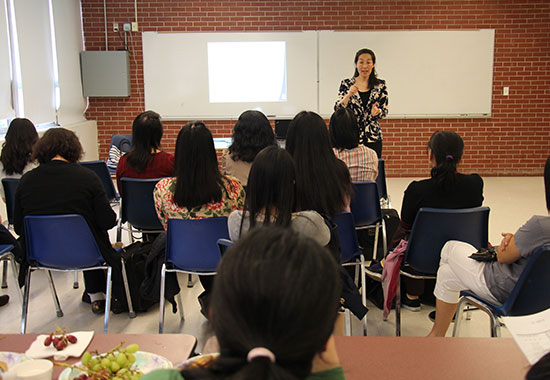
362	162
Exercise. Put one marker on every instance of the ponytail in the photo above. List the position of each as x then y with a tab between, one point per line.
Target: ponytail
447	148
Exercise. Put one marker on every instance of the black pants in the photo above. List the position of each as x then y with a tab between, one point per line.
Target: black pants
376	146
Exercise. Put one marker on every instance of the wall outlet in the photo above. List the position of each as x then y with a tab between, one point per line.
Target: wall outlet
127	27
506	91
115	26
135	26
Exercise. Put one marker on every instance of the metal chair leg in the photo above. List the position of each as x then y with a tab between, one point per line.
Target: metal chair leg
5	275
131	312
161	303
398	307
25	304
181	307
15	279
363	293
347	322
75	282
58	310
458	316
107	301
375	248
190	280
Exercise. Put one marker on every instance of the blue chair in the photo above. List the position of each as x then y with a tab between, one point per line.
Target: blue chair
138	207
365	207
530	295
223	245
381	184
123	143
61	243
432	228
5	256
10	186
351	256
100	168
191	247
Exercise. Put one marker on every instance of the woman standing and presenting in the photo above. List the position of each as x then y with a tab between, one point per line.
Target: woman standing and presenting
367	96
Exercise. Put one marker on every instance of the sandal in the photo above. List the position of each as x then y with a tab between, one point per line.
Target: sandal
98	307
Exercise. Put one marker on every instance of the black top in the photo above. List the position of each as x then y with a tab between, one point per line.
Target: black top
467	192
365	97
59	187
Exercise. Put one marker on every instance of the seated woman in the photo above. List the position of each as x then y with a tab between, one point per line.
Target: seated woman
273	310
361	161
493	280
15	159
198	190
61	186
270	199
145	158
251	133
447	188
323	183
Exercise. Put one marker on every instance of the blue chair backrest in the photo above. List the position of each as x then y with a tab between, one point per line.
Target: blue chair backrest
137	204
101	170
349	244
122	142
191	244
10	186
532	291
433	227
381	179
365	204
61	241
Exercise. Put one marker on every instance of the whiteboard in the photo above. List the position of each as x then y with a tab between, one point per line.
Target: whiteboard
428	73
175	70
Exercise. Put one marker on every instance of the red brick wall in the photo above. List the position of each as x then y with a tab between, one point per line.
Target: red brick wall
514	141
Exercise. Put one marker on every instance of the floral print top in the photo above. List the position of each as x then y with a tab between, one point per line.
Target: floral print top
369	128
232	199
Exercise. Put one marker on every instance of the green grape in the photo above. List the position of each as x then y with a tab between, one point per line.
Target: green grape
97	367
93	362
121	359
122	372
105	363
115	366
86	358
131	358
116	378
132	348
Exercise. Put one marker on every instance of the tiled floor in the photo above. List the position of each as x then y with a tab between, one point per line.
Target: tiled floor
512	202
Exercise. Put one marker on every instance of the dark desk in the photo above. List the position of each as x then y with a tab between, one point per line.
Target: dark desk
430	358
174	347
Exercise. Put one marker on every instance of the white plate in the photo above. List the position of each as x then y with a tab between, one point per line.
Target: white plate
145	362
12	358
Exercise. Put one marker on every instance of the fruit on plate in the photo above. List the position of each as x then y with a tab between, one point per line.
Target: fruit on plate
3	366
116	364
59	339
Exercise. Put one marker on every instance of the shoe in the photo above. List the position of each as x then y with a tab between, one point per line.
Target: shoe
432	316
412	305
203	302
98	307
375	271
4	299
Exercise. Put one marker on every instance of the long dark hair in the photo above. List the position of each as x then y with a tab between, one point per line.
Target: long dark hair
547	182
344	133
447	148
17	147
271	187
146	136
259	300
198	178
251	133
323	183
373	78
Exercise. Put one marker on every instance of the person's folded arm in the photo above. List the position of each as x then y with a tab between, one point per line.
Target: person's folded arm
507	251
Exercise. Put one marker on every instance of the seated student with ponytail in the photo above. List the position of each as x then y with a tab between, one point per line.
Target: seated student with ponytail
273	310
447	188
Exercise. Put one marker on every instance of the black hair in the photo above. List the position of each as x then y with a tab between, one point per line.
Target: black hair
275	289
146	136
17	147
271	187
447	148
198	178
58	142
541	369
373	79
323	182
251	133
344	133
547	183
